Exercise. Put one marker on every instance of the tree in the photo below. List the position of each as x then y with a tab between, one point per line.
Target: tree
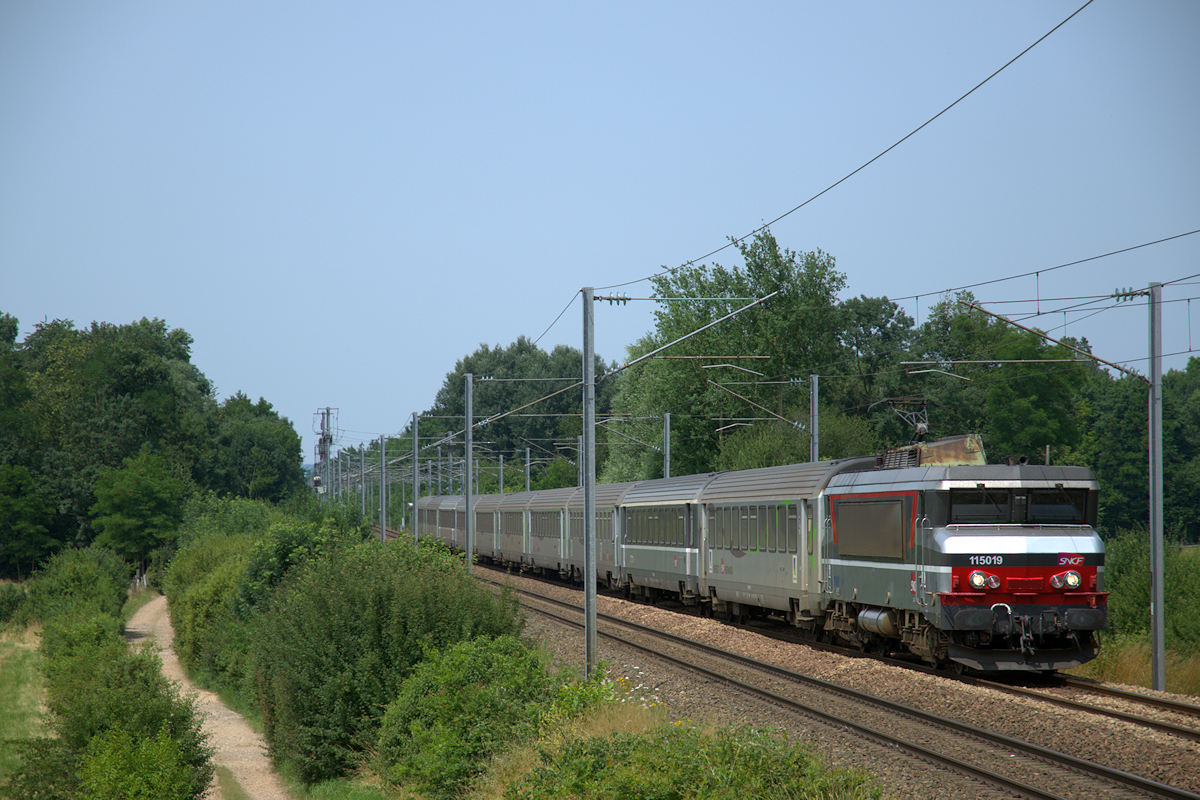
793	335
138	506
256	452
24	514
537	374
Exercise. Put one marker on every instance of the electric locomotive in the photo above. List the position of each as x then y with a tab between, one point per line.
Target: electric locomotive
994	567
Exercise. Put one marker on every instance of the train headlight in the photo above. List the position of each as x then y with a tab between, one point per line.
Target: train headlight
977	579
993	582
1069	579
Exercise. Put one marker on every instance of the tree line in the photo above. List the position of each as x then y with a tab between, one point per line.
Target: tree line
750	407
104	430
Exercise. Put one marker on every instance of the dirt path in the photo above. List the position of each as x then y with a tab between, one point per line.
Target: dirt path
235	743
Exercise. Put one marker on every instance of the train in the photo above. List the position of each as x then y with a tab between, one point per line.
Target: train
924	548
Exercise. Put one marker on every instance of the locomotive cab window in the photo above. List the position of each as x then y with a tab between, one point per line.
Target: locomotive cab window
1055	506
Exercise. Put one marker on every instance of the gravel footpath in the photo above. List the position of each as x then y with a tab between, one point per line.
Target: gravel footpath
1119	744
236	745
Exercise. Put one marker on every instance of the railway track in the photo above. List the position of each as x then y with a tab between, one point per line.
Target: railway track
966	749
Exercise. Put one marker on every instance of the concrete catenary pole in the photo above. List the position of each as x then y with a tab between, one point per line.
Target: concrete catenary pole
416	480
382	488
501	474
470	543
1156	490
667	444
527	469
814	449
362	477
588	460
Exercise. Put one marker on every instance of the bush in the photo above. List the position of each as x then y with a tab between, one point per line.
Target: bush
678	761
85	582
458	709
46	772
340	636
1127	579
206	515
12	597
64	637
202	616
288	544
92	688
118	764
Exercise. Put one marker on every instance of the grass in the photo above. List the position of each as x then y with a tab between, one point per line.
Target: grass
229	786
510	767
1126	659
136	600
20	692
359	787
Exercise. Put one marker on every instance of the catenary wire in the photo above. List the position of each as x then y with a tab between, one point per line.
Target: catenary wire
858	169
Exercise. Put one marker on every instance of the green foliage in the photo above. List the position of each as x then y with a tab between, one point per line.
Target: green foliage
772	444
86	582
25	513
76	403
576	698
208	514
138	506
679	761
47	771
207	635
458	709
1127	579
117	764
288	543
340	636
559	474
96	685
796	331
511	435
256	452
12	599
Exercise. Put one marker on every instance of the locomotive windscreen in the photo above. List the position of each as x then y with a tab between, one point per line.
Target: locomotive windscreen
1057	506
871	528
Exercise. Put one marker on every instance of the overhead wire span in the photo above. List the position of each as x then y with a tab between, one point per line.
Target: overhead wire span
1040	270
859	168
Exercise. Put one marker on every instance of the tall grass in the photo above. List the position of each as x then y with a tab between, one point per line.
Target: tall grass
1127	659
21	694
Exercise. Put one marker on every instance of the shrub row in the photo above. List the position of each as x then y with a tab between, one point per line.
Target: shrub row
313	628
1127	579
121	729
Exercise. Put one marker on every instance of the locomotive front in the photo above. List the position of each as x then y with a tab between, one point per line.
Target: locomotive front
1021	566
994	567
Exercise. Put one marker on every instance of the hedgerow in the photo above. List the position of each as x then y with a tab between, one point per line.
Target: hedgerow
340	636
458	709
678	761
83	582
99	692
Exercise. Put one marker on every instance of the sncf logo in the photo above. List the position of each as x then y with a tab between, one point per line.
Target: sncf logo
1069	559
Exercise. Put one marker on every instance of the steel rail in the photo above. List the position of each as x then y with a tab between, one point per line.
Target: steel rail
1191	709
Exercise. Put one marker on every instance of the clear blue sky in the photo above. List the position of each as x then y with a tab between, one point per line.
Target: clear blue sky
338	201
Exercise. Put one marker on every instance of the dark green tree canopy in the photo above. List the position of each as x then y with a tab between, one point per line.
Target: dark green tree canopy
138	507
77	403
256	453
